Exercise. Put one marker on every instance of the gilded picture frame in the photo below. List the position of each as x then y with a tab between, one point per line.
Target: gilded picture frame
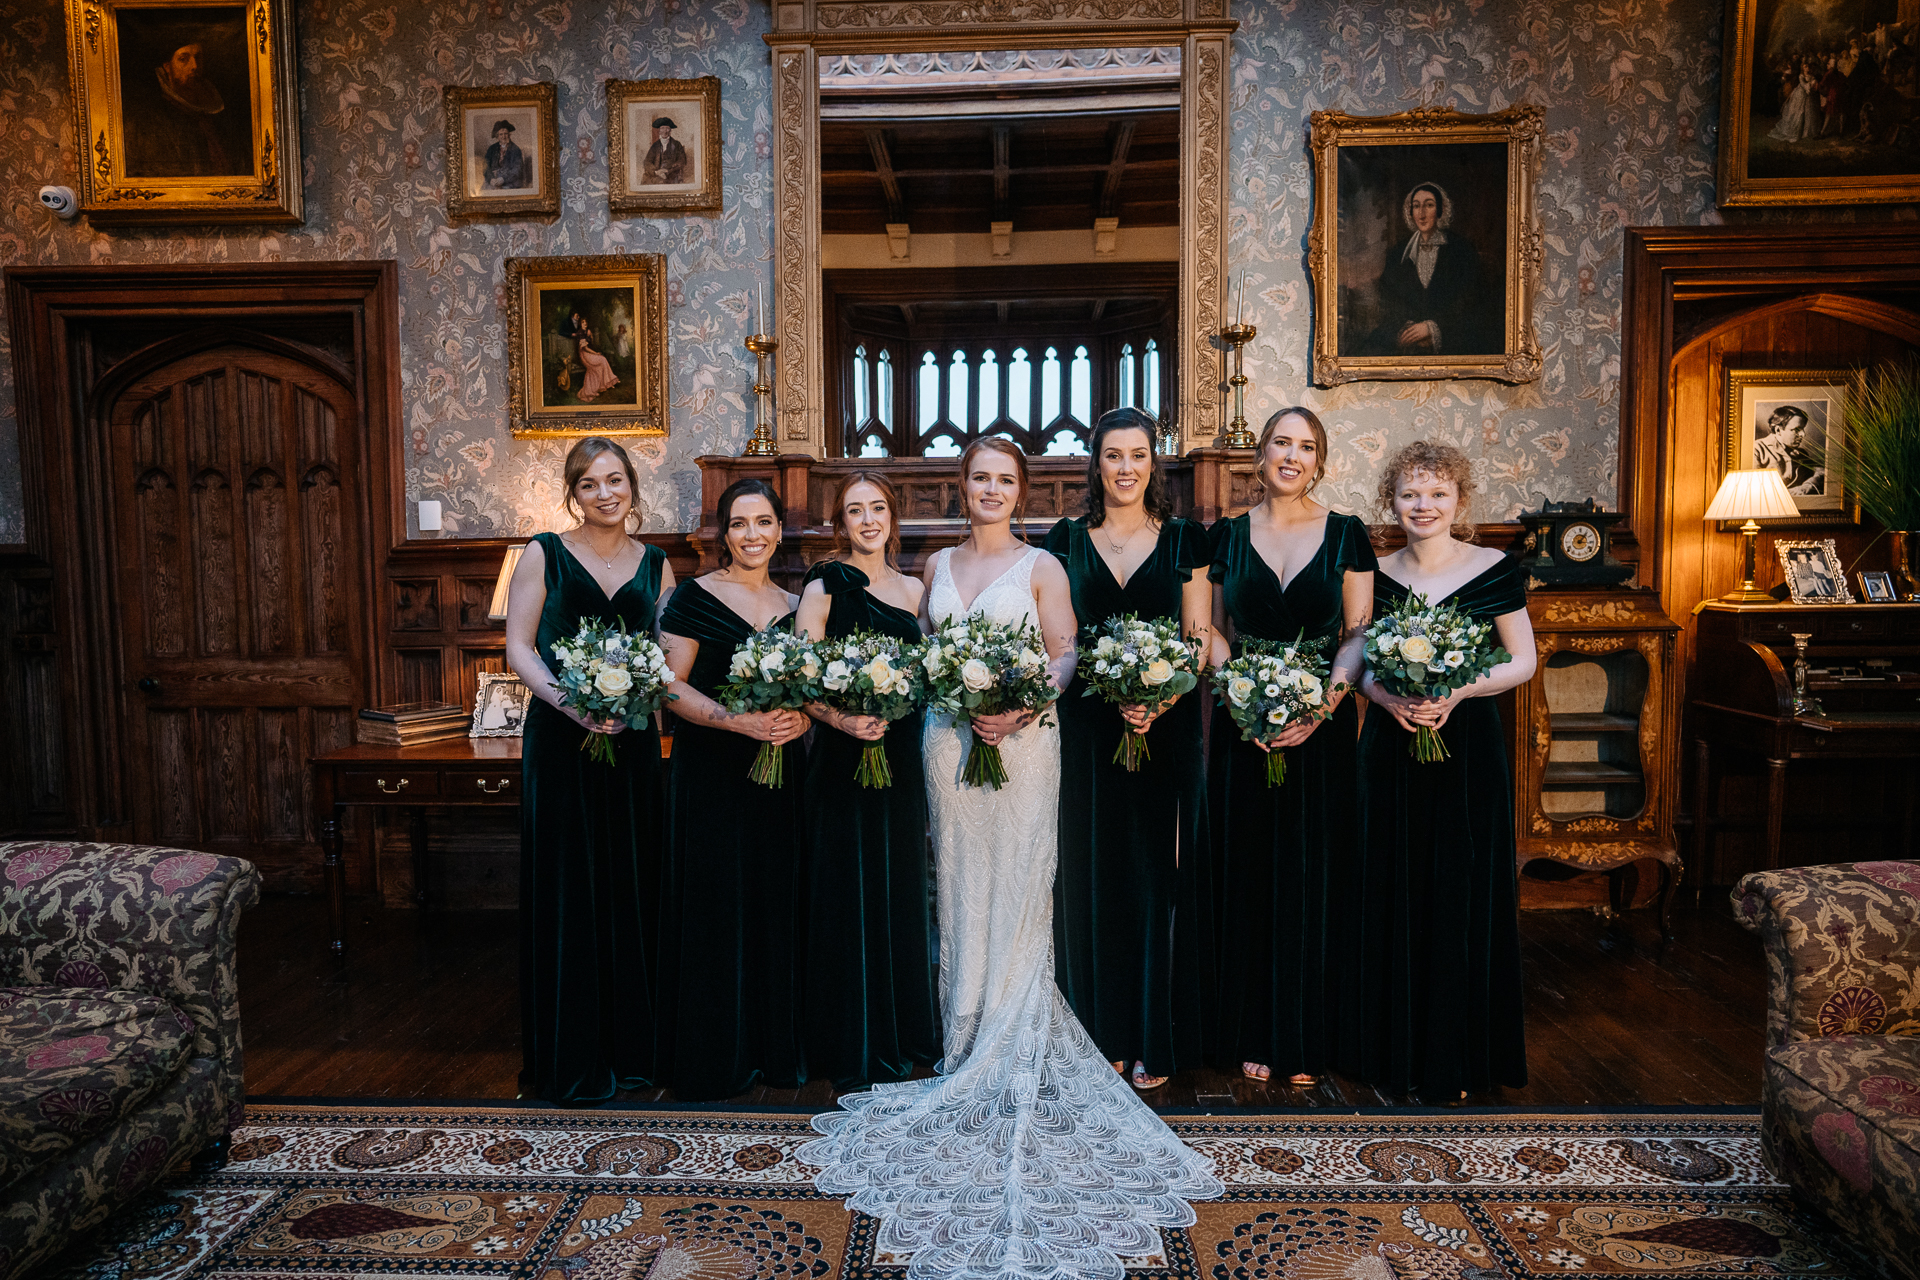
653	169
1378	269
1790	419
1808	115
587	346
503	152
185	112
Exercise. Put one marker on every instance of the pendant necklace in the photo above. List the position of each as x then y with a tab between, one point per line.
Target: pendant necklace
596	555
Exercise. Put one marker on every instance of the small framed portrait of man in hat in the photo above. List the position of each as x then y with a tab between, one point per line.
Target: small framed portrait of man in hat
663	145
502	162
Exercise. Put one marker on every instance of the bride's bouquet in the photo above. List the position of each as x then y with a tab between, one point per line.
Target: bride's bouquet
1137	663
610	674
1270	686
1427	651
871	673
976	667
773	670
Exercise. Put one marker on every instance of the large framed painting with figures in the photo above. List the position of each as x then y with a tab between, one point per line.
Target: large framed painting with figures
1820	103
185	112
587	345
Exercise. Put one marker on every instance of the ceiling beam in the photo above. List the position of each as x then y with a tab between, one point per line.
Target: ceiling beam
889	182
1002	169
1012	170
1116	167
1099	309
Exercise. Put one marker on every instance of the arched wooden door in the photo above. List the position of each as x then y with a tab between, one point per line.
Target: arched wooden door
237	568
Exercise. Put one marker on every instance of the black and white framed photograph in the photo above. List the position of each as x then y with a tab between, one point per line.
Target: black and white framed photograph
503	159
1813	572
499	705
1876	586
1790	420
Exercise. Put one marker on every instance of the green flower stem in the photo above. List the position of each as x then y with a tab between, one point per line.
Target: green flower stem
1132	751
770	766
874	770
1427	746
1276	767
984	766
599	747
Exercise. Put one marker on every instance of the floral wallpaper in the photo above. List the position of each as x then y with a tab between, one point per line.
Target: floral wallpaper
1630	91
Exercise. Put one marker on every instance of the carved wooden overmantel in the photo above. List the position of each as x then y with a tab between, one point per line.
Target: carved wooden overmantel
806	30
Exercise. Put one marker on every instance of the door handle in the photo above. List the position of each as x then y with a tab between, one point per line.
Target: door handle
148	685
393	790
493	790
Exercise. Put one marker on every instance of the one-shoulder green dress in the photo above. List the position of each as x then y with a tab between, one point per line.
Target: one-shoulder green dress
729	996
869	1004
589	865
1434	998
1280	850
1132	906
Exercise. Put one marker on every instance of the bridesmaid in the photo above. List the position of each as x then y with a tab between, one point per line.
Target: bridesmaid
589	833
1287	565
727	990
1129	936
1435	994
868	996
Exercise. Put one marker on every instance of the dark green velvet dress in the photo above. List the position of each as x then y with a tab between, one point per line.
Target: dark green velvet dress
1433	986
1280	851
729	996
589	866
1132	906
869	1004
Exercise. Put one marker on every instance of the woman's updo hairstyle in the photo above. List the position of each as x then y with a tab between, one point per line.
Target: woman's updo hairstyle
842	539
1158	501
723	513
1442	461
998	444
1314	425
581	457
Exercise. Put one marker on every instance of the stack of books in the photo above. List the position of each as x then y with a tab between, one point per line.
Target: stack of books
412	723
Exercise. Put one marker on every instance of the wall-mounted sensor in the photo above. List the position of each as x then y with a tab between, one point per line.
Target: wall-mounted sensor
429	516
60	202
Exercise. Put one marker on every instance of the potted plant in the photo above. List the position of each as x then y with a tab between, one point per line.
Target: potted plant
1878	466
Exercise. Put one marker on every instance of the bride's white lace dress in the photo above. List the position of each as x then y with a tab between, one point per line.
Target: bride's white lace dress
1028	1156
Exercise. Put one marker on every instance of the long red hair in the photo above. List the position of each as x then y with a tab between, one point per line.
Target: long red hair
842	540
999	444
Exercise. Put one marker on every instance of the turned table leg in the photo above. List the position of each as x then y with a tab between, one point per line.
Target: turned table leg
1776	809
417	832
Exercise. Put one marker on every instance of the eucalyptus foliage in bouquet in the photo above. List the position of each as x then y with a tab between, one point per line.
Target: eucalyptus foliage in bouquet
976	668
1427	651
1272	685
1132	662
610	674
871	673
773	670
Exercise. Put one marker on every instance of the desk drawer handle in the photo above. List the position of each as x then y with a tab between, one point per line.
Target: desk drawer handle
1854	625
503	784
393	790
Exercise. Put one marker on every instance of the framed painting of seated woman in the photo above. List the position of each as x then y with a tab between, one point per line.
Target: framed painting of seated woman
587	345
1424	252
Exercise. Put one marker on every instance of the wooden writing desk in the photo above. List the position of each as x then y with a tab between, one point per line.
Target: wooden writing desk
456	771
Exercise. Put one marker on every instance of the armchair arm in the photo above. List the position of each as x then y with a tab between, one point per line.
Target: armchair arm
1842	946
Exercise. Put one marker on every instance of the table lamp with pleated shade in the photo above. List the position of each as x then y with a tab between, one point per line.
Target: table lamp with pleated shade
1751	496
497	611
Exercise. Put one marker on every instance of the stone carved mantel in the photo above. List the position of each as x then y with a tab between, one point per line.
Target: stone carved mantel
805	31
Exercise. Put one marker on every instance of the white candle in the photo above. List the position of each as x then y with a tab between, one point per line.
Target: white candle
761	293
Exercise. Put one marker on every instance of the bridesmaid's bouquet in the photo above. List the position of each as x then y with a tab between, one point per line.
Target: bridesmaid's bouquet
871	673
610	674
1427	651
976	667
1270	686
1136	663
773	670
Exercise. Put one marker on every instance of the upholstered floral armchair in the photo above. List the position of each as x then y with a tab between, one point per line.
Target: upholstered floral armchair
119	1028
1841	1093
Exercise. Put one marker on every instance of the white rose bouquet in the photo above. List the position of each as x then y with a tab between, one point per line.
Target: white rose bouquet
979	668
871	673
1131	662
773	670
610	674
1428	651
1272	685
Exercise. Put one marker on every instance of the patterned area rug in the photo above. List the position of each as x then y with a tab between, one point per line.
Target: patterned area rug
693	1195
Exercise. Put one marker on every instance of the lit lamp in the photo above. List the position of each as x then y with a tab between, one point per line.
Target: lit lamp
497	611
1751	496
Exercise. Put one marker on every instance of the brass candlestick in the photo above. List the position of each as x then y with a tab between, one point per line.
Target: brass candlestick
1237	336
761	443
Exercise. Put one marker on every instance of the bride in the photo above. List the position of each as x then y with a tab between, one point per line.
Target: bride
1027	1156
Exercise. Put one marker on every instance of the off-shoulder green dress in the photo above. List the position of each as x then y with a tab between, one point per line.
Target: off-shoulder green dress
1132	906
1280	850
1433	992
589	865
729	993
868	993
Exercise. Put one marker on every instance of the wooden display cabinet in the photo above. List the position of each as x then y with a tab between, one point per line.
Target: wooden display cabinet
1596	769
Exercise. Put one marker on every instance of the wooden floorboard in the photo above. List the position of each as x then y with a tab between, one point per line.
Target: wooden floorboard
428	1008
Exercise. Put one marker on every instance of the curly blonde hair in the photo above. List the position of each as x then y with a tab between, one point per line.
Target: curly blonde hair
1440	460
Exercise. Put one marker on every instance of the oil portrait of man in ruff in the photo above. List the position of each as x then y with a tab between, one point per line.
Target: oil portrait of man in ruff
1422	264
186	96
